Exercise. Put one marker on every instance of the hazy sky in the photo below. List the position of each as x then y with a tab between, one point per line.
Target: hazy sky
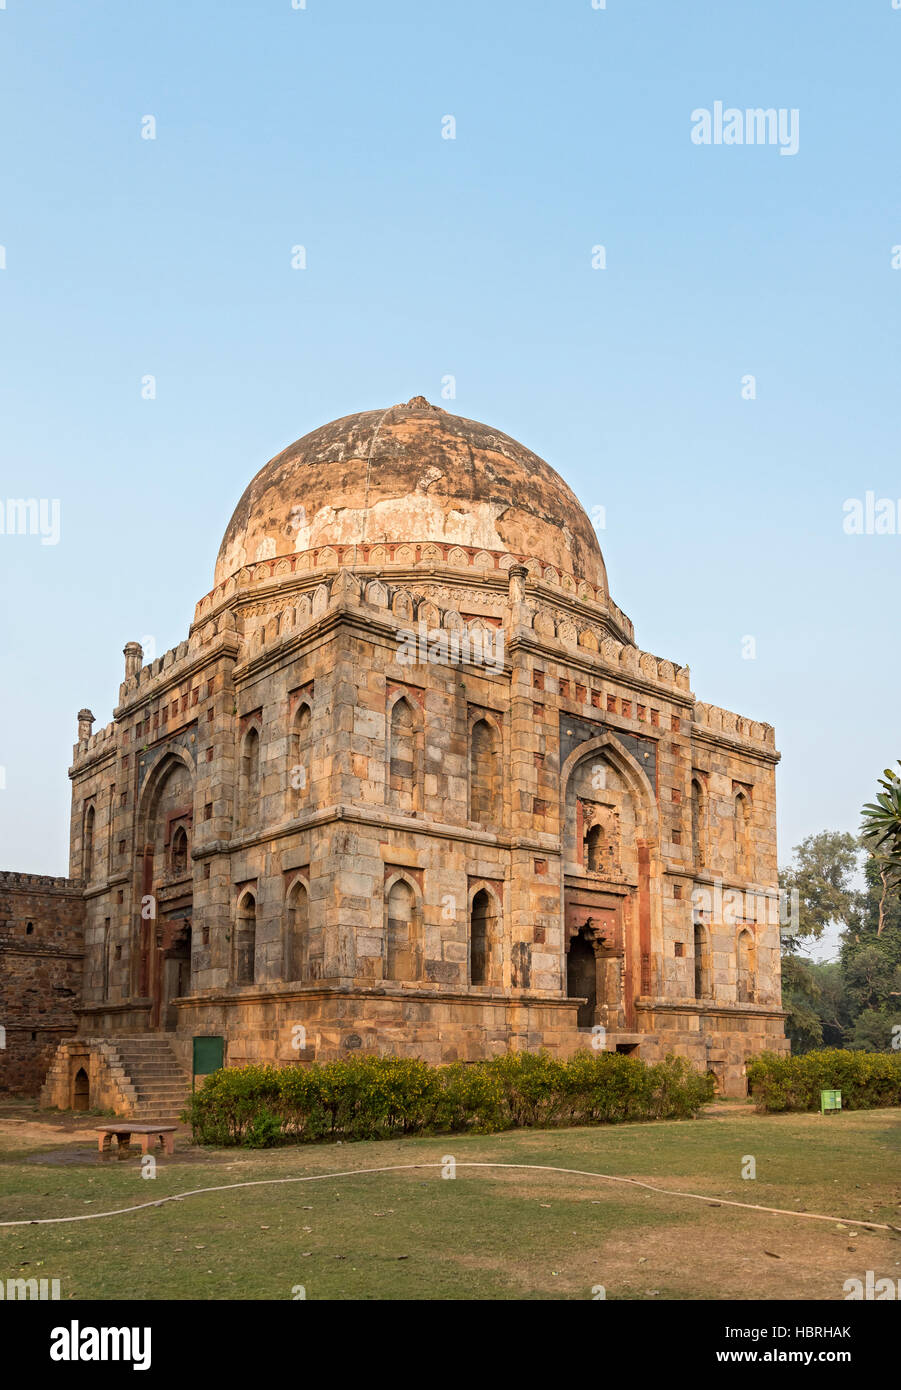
472	258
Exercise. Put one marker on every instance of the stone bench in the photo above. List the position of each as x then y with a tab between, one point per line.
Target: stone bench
147	1134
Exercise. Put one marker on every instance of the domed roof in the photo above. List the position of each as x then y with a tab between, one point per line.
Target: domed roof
411	474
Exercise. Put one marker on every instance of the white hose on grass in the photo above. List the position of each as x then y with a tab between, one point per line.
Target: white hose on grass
401	1167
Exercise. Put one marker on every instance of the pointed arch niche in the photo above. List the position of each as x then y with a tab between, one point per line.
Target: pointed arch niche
485	935
249	778
296	954
611	871
402	954
485	777
405	750
160	950
300	756
245	939
746	966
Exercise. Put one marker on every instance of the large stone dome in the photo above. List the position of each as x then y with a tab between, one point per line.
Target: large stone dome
411	475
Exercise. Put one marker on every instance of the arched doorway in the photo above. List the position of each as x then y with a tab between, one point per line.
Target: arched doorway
582	978
175	968
610	834
161	962
81	1090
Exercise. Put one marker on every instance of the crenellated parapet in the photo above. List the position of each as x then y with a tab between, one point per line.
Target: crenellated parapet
46	883
722	721
176	664
97	744
594	640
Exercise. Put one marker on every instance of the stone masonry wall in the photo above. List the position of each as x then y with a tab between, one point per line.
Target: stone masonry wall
41	952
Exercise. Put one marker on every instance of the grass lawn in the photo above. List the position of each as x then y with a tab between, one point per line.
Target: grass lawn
490	1233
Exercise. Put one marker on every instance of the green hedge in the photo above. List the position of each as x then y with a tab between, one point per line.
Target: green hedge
865	1079
383	1097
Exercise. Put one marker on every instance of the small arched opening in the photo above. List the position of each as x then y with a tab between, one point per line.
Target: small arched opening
594	849
179	852
88	845
81	1090
742	834
697	839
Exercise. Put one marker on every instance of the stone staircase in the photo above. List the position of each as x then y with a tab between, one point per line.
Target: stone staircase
138	1078
159	1085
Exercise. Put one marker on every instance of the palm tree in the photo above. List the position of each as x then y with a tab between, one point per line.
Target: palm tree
881	834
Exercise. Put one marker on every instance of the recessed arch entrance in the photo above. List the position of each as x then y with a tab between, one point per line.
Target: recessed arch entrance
610	833
161	957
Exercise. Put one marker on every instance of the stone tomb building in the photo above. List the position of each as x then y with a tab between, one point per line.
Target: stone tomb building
410	784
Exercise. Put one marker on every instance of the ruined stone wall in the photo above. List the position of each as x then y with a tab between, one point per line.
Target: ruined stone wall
41	946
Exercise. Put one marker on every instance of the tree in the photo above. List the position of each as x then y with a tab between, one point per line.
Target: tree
834	1005
870	963
881	834
800	998
822	875
856	1001
816	1004
872	1032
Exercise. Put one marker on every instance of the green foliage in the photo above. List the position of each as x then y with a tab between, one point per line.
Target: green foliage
822	873
872	1031
870	964
801	995
865	1079
385	1097
851	1003
264	1130
881	830
816	1003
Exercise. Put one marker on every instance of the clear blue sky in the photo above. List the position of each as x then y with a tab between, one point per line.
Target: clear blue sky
425	257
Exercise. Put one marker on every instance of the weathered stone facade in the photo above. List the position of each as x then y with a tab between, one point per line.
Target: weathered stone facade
41	952
409	785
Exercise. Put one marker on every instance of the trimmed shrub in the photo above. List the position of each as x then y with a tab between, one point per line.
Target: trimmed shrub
679	1090
865	1079
385	1097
